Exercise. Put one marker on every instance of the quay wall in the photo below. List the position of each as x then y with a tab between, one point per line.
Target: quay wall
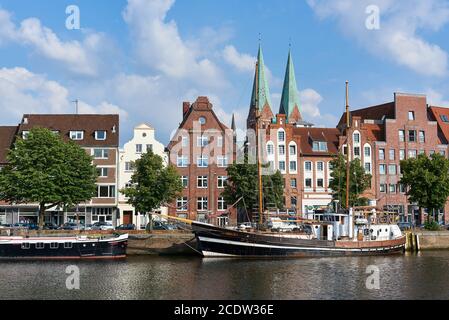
427	240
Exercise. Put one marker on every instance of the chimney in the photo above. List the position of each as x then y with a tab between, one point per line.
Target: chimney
185	108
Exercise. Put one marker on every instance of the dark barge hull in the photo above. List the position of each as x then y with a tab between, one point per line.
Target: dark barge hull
218	242
62	248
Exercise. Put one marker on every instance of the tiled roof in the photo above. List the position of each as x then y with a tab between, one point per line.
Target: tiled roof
89	123
437	114
308	135
375	132
7	135
372	113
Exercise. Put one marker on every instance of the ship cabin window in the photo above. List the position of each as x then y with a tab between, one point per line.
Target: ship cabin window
25	245
40	245
68	245
54	245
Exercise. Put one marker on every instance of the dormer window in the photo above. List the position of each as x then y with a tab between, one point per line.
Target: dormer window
444	118
320	146
100	135
25	135
76	135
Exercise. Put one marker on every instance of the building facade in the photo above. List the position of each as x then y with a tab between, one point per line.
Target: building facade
99	136
201	150
143	141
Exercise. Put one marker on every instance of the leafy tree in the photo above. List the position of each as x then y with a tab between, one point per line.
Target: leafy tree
152	184
426	180
243	182
359	181
46	170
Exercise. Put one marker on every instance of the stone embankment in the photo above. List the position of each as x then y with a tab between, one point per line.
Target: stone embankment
427	240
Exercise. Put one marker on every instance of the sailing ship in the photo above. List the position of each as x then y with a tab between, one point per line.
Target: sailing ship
52	248
332	234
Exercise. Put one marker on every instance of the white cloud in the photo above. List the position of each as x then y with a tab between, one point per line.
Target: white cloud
241	61
310	100
78	57
398	37
25	92
160	47
436	98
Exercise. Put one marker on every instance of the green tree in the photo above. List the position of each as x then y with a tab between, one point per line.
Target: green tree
243	183
152	184
46	170
359	181
426	181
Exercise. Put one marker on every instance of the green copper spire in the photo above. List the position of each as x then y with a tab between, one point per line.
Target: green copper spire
261	93
289	99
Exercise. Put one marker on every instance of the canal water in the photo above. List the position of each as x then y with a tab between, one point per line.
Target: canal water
411	276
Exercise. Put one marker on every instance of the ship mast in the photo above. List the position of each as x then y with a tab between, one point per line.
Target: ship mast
348	125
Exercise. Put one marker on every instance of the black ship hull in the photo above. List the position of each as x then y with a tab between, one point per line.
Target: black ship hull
53	248
218	242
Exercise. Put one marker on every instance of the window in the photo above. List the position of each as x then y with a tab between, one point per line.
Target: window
293	183
292	165
25	135
422	136
202	203
182	161
202	141
282	165
68	245
221	182
40	245
412	135
102	172
201	182
401	188
270	149
421	151
129	166
185	141
281	150
392	169
221	204
222	161
367	152
77	135
181	204
383	187
320	166
392	154
219	142
292	150
412	153
281	136
100	135
356	138
308	166
431	152
101	153
443	153
444	118
105	191
382	169
25	245
320	183
381	154
202	120
411	115
202	161
401	154
149	148
392	188
357	151
308	183
185	181
54	245
401	135
294	201
320	146
138	148
368	167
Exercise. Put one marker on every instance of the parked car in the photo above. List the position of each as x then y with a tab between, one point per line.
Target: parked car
405	225
276	224
50	226
102	225
87	227
160	225
128	226
71	226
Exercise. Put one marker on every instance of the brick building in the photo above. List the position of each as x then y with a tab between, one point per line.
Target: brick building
99	136
201	150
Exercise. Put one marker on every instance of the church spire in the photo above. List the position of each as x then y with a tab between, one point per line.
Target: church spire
233	127
260	98
289	100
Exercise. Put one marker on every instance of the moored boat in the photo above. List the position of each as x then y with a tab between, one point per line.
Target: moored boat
51	248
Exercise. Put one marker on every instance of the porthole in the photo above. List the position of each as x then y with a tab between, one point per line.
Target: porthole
202	120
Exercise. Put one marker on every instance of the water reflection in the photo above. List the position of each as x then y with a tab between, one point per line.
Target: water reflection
422	276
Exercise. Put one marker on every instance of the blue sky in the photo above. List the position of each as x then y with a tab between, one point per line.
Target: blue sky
142	58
